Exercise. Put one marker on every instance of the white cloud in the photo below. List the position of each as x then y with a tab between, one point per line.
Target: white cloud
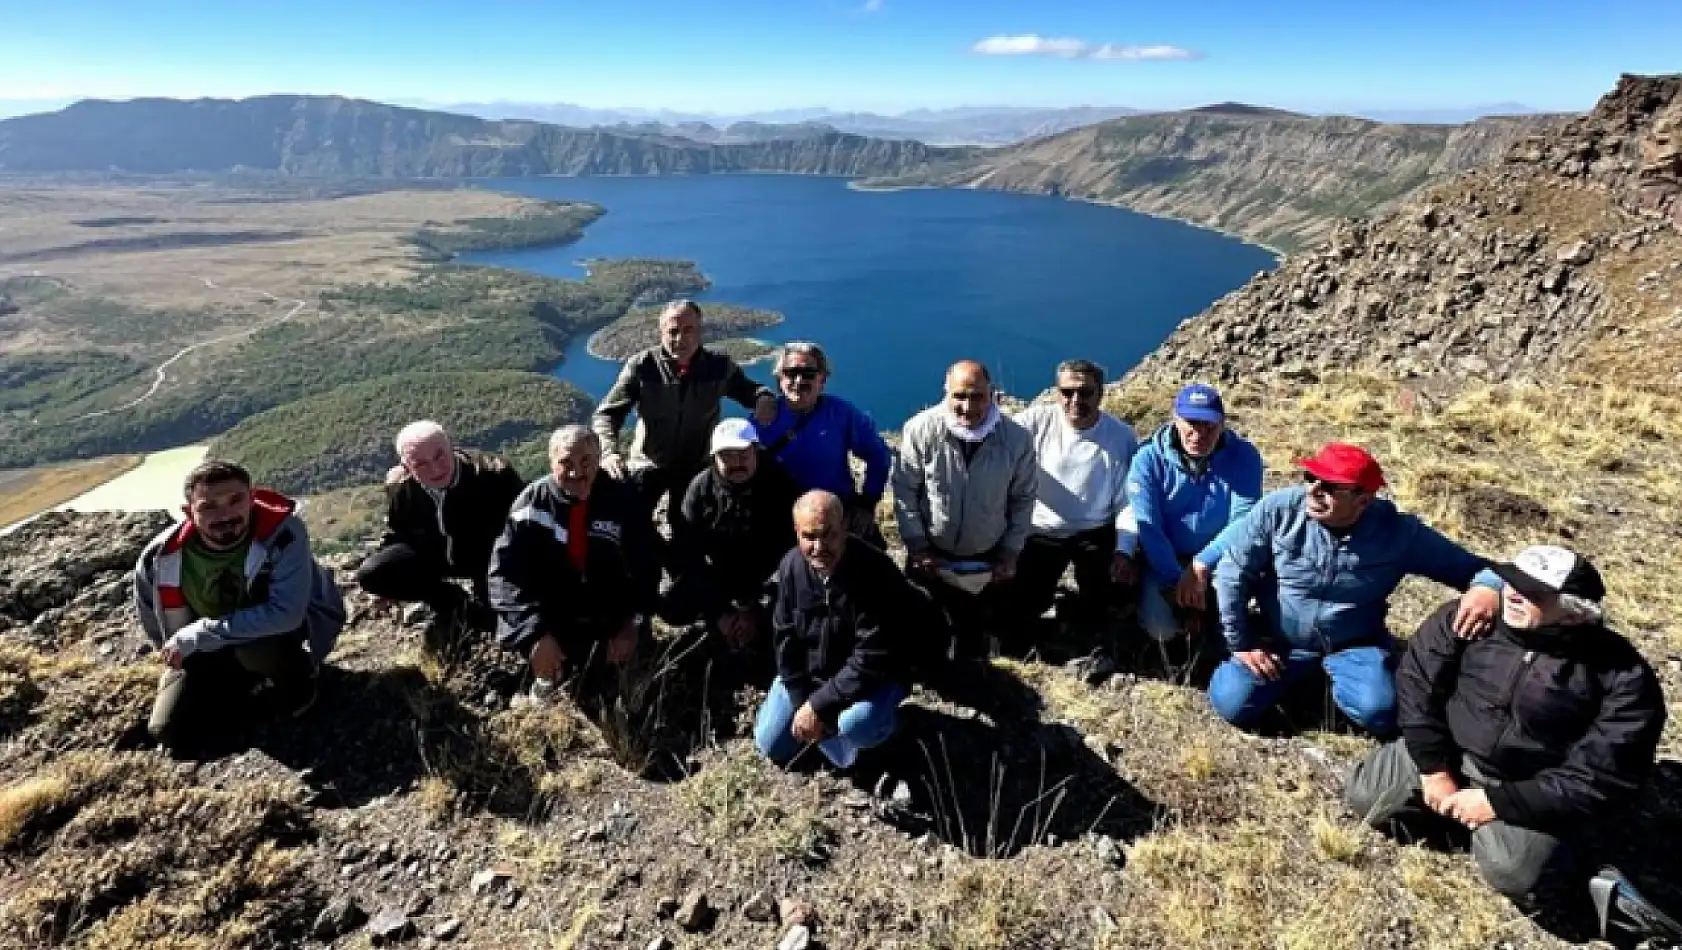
873	6
1063	47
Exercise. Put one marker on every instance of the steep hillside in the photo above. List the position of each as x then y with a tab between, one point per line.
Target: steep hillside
1272	177
336	137
1561	260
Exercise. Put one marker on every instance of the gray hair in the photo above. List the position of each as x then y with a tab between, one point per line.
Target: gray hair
417	433
568	436
1081	368
1581	610
678	308
803	348
818	501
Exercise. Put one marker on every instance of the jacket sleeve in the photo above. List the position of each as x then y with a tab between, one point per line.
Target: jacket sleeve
868	444
509	484
871	664
687	553
1425	679
1126	520
145	592
616	406
741	390
643	555
516	559
291	585
908	491
1435	556
1607	765
1024	491
785	633
1245	484
1248	559
1145	489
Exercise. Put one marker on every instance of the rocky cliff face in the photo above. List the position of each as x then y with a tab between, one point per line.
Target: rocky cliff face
1512	270
328	136
1277	178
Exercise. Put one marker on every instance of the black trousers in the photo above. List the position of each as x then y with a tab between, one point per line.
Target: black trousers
212	690
1041	567
401	573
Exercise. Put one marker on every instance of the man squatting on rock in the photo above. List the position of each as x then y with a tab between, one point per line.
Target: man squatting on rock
445	510
236	605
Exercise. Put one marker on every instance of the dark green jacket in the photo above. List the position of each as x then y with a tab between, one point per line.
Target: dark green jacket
675	416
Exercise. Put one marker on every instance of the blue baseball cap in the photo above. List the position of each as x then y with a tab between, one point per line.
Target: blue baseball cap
1199	403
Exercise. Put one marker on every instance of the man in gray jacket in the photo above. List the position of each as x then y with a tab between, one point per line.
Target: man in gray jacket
676	389
964	487
233	599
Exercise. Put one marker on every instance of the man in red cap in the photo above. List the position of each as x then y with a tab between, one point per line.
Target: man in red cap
1321	560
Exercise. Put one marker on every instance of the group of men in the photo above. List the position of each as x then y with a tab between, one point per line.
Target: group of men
1516	712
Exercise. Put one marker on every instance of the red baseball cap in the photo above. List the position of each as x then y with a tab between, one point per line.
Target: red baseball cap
1345	464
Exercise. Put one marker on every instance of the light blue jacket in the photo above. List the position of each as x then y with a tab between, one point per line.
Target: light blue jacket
1320	593
1184	515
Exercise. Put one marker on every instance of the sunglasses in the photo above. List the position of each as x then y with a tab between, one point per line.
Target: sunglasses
1316	483
800	372
1081	393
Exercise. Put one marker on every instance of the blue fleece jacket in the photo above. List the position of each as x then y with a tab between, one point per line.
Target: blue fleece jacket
817	455
1180	514
1319	592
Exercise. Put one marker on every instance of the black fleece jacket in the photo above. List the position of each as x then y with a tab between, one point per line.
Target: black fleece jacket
1566	719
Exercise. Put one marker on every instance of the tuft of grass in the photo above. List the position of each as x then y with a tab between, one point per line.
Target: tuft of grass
1198	760
1336	840
736	796
25	801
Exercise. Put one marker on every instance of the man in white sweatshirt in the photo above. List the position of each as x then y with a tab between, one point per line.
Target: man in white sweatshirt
1080	514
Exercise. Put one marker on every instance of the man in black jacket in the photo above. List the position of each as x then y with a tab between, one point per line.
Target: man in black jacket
844	618
573	573
1524	736
675	388
728	536
445	508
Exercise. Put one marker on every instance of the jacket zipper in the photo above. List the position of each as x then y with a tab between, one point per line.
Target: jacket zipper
1512	696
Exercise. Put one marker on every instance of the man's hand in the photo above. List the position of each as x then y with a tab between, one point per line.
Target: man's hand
547	657
739	627
1261	663
765	409
1005	567
171	655
1193	589
1438	788
1122	570
614	464
622	645
1476	615
1470	808
807	726
923	562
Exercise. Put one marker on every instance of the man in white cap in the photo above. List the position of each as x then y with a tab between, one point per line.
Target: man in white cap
1524	736
731	530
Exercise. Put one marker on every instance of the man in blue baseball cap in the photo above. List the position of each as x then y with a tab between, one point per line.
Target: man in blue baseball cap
1190	480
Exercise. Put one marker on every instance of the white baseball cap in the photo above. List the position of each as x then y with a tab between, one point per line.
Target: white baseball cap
733	434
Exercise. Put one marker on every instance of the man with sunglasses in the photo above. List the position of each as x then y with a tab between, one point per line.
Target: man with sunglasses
1084	454
815	435
1321	560
1189	482
676	389
965	483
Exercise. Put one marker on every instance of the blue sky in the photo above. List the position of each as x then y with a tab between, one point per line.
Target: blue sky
883	55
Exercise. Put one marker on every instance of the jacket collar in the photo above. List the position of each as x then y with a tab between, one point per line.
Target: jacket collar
269	510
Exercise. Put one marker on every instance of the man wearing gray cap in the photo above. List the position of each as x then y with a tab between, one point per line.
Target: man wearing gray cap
1525	736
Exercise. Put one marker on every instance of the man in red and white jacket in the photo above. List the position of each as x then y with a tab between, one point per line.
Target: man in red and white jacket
235	603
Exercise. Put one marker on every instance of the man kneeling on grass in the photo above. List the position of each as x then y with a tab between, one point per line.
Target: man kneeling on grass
1524	736
843	618
574	576
233	600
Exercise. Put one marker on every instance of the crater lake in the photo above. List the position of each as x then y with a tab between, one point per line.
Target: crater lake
896	285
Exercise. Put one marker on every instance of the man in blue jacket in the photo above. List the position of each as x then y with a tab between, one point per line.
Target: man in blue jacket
814	434
1191	480
1321	560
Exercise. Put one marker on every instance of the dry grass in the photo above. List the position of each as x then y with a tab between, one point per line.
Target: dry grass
736	794
27	493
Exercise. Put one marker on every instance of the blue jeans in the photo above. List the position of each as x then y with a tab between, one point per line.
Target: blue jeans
863	725
1363	686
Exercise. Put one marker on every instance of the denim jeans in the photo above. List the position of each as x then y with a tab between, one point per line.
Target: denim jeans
863	725
1363	686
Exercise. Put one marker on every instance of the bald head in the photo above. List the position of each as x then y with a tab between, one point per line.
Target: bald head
425	450
969	392
820	528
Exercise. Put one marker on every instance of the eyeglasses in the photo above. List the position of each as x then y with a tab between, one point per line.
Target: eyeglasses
1316	483
800	372
1081	393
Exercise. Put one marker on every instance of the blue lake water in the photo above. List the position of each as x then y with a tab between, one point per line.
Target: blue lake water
898	285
